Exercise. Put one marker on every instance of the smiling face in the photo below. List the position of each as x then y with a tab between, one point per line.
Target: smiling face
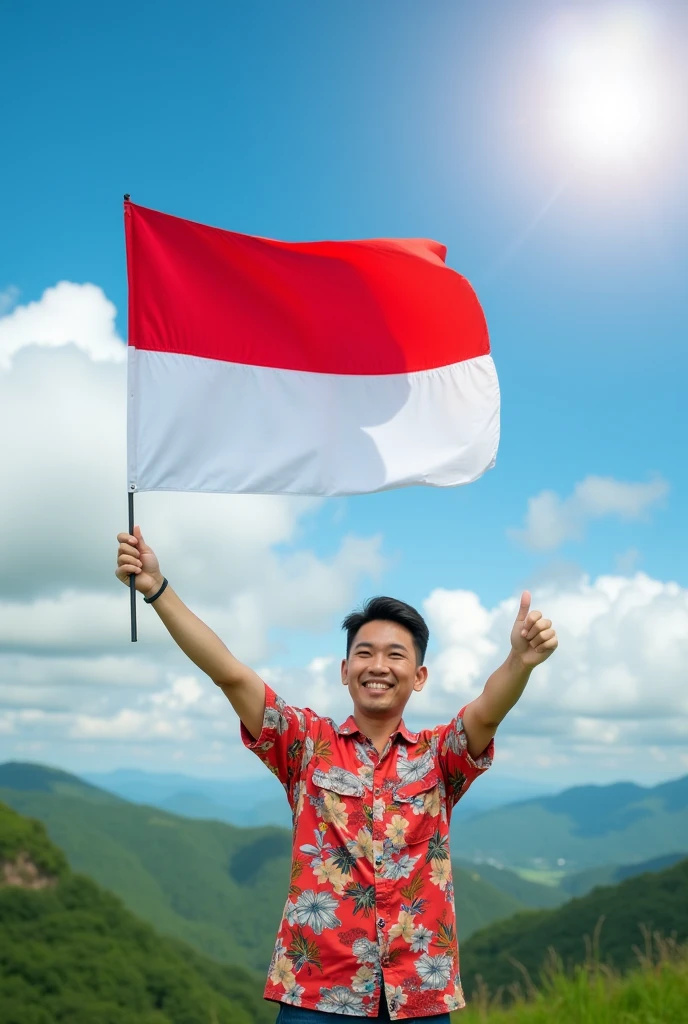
381	671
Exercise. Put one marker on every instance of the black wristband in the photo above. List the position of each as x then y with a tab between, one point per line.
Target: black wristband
149	600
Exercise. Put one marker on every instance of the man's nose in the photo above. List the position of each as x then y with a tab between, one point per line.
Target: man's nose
379	665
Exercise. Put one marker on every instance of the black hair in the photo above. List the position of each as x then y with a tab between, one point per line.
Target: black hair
388	609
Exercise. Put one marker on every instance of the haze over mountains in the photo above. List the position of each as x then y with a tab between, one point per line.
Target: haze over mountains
576	830
584	827
260	800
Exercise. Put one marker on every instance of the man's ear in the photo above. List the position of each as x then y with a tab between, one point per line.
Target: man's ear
421	678
345	680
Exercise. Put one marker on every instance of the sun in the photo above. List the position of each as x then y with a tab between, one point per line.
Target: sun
607	103
610	117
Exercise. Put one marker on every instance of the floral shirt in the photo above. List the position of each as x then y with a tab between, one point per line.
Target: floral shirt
371	899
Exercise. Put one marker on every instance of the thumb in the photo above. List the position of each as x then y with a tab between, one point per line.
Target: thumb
524	607
139	536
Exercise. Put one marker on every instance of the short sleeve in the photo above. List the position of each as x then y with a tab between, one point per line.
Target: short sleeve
458	767
281	743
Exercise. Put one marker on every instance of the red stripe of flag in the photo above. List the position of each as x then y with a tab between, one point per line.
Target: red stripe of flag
381	306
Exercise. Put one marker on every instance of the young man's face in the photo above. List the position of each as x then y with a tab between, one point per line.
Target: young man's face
381	671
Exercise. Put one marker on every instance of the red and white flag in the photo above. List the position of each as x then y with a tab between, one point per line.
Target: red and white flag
258	366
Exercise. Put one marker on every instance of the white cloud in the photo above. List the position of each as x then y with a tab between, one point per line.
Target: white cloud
317	686
235	558
126	724
186	710
61	684
102	670
77	314
616	683
462	630
552	520
184	692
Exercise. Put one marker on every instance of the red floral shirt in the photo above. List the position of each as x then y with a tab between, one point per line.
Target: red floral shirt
371	899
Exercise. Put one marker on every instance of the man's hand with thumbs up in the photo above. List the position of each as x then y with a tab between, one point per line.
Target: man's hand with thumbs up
532	641
532	637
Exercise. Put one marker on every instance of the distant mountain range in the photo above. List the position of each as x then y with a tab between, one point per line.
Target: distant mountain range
260	799
585	827
71	952
581	828
583	882
255	801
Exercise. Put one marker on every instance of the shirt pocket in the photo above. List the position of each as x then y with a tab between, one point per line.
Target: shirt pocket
420	804
340	799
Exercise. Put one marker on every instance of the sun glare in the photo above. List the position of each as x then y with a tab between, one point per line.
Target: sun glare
607	103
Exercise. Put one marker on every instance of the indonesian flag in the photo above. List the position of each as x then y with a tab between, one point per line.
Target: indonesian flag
258	366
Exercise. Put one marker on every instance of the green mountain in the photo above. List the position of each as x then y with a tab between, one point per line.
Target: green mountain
38	778
585	827
72	954
528	894
658	902
478	903
215	886
585	881
259	801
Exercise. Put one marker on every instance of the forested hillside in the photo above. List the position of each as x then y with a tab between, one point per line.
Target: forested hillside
658	902
72	954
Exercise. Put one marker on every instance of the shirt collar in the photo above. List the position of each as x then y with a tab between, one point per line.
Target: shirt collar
349	728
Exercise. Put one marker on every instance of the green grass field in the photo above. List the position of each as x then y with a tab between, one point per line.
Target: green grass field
541	876
656	992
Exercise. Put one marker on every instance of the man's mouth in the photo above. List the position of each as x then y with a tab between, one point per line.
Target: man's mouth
376	684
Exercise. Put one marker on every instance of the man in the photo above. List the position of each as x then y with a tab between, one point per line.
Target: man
369	928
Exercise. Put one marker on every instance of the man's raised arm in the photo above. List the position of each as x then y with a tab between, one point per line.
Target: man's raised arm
532	641
243	688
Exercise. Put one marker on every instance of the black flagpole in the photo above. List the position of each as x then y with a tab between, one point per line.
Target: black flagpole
132	577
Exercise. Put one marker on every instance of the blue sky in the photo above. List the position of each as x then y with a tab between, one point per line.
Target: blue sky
308	121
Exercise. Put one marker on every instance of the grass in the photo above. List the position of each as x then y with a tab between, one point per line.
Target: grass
541	876
656	992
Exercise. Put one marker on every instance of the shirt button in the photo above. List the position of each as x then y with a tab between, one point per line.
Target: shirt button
377	791
380	922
